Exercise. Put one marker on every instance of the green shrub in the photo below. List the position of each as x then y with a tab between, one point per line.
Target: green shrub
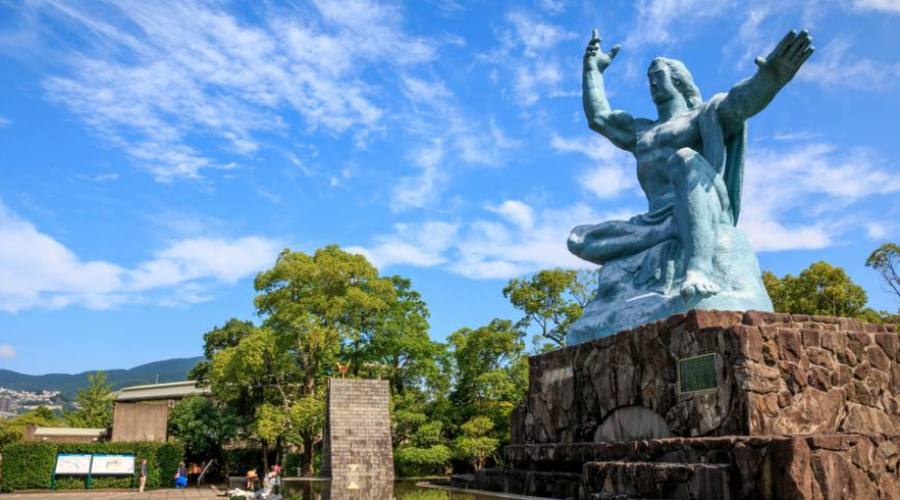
30	465
27	466
412	461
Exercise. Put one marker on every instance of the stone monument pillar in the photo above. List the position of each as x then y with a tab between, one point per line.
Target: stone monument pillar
357	444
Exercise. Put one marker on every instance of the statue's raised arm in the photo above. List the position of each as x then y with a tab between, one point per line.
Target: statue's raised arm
752	95
617	126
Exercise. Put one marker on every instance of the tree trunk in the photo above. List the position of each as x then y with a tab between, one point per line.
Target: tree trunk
265	457
309	444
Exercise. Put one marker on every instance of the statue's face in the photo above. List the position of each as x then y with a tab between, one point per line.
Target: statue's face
662	88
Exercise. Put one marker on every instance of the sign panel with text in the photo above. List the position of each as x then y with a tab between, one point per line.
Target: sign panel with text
71	463
113	464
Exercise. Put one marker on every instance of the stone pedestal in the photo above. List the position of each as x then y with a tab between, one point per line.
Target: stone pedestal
357	445
713	405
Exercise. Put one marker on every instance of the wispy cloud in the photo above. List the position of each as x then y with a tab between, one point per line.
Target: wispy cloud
797	198
612	171
4	122
836	66
508	239
7	351
37	271
660	22
154	76
888	6
456	138
530	41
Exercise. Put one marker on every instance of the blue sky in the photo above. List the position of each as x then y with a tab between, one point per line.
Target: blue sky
156	155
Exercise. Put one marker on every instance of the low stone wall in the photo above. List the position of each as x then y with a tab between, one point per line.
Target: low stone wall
776	374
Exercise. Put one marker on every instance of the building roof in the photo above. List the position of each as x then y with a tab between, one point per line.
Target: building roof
171	390
68	431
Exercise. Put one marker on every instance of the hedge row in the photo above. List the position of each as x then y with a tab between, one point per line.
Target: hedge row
29	466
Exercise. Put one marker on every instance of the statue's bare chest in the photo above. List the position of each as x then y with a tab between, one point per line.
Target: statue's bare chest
677	132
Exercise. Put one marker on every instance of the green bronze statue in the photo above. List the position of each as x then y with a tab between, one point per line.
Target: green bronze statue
686	251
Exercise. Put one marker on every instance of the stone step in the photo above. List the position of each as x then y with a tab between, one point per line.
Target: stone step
669	480
530	482
569	457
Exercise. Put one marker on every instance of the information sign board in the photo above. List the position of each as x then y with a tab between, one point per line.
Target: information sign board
113	464
71	463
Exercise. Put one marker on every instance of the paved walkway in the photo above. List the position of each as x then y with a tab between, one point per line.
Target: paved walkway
188	493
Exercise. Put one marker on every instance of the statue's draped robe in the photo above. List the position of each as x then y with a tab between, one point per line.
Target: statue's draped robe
657	269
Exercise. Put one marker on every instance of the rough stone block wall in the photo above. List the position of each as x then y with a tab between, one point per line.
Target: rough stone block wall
358	431
777	374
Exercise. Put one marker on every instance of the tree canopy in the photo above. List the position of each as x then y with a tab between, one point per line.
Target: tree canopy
886	260
820	289
551	300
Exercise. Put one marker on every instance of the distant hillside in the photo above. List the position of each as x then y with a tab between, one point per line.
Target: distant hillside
170	370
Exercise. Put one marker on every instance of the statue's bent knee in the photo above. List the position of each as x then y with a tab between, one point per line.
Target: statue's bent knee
686	162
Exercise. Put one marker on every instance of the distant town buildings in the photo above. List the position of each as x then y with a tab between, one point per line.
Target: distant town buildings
13	402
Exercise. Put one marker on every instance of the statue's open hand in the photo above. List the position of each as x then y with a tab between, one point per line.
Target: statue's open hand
787	57
594	57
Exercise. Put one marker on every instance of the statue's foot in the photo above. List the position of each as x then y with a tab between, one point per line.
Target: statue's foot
696	283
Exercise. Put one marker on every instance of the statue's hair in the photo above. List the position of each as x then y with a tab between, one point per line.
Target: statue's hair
682	80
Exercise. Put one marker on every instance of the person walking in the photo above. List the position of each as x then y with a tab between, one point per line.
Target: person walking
181	477
142	479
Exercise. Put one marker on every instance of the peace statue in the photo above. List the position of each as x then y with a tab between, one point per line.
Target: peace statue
686	251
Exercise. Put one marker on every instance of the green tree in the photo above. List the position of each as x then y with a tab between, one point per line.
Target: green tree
251	375
319	308
402	351
491	371
94	404
217	339
203	426
551	300
475	444
820	289
886	260
12	430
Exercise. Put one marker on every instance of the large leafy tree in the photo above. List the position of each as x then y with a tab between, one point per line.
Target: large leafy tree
217	339
319	308
819	289
551	300
255	373
402	351
203	426
886	260
491	371
94	404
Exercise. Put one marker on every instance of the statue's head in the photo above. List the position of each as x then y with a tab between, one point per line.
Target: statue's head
670	79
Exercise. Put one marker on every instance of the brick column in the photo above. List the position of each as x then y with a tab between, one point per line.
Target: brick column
357	441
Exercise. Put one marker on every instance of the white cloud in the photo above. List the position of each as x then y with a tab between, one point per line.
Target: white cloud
454	138
533	34
4	122
613	170
419	190
889	6
154	76
7	351
37	271
420	245
530	42
511	239
666	21
834	66
796	198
